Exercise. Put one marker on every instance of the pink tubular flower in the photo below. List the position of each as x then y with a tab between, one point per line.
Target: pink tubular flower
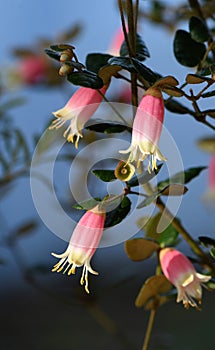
147	129
180	272
210	193
82	246
81	106
32	69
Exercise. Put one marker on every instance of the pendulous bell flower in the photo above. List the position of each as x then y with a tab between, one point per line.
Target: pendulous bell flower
147	127
181	273
78	110
82	245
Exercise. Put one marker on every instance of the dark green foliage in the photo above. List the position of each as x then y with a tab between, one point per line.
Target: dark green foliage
188	52
85	78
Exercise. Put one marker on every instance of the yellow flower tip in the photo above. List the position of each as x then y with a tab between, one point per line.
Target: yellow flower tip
70	137
76	142
84	280
87	290
72	271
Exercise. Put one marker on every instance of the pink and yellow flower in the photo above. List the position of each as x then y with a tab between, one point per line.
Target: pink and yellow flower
78	110
82	246
147	127
181	273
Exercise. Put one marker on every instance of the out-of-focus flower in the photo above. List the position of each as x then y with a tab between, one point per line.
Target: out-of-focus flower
82	246
116	42
147	129
210	193
32	69
181	273
78	110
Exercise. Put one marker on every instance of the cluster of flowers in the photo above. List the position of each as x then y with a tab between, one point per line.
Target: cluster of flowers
85	239
146	131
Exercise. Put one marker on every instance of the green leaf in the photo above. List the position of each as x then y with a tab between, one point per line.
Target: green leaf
182	177
153	286
187	51
174	189
144	178
196	79
95	61
88	204
176	107
86	79
104	175
106	128
134	66
123	62
207	241
148	200
62	47
172	91
169	190
208	94
198	29
115	216
168	237
141	49
139	249
52	54
145	71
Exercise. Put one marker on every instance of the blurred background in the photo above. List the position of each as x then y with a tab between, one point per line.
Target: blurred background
41	310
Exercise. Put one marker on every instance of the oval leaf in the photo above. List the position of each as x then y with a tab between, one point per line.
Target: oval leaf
198	29
187	51
139	249
115	216
86	79
196	79
62	47
52	54
141	49
153	286
174	190
105	175
123	62
169	80
208	94
145	71
106	128
172	91
176	107
95	61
